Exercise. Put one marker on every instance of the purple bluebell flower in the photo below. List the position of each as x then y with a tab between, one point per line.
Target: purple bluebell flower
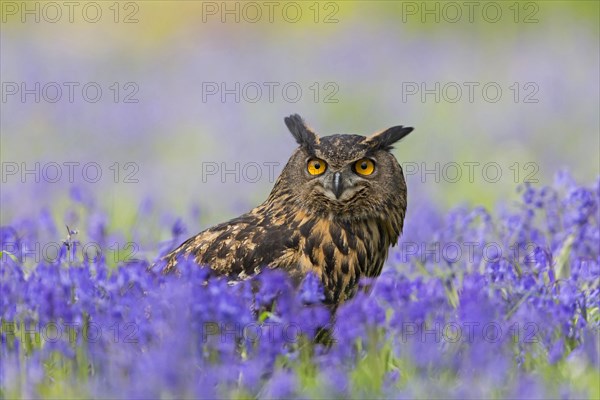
311	291
178	228
482	322
281	385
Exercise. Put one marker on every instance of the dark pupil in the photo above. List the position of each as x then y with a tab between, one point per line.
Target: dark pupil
317	165
363	165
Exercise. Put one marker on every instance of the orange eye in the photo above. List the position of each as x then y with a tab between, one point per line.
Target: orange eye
316	166
364	167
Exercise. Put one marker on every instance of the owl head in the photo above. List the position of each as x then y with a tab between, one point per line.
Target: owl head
343	176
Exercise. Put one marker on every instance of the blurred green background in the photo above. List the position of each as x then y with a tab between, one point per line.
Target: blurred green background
162	122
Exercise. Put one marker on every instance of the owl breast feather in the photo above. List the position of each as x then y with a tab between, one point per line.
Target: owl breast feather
297	242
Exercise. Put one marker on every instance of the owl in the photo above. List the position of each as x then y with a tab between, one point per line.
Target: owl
335	210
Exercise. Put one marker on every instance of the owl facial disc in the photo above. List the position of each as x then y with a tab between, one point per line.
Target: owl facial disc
339	186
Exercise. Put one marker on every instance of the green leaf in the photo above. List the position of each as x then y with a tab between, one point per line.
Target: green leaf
563	269
8	253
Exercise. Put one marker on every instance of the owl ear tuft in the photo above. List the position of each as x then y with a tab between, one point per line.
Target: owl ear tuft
305	136
385	139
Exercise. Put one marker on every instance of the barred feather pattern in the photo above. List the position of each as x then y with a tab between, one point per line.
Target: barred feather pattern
300	228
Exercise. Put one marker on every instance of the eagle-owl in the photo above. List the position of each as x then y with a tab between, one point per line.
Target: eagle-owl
335	210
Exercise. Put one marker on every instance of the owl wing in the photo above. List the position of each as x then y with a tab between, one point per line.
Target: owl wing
242	246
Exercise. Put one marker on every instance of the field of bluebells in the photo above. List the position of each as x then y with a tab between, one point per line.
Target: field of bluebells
498	301
471	304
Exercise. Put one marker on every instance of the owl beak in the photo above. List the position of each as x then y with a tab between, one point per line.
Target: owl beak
338	185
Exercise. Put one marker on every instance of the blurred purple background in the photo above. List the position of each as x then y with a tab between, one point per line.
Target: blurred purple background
361	67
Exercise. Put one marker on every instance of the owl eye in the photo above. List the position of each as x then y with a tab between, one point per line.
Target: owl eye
316	166
364	167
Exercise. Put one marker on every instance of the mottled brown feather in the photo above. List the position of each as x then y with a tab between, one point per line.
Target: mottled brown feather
300	228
